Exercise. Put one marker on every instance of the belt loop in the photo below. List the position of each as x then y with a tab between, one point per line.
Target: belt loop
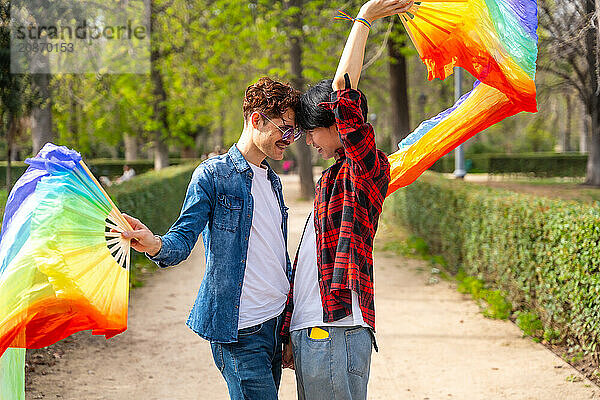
373	339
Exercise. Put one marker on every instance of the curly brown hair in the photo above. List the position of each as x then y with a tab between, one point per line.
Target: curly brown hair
270	97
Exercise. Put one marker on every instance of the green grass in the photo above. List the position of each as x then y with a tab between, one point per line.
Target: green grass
566	188
3	198
539	181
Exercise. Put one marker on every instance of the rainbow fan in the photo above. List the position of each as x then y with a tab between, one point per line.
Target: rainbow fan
64	267
494	40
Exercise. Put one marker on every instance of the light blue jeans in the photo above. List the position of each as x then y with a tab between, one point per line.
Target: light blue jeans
336	368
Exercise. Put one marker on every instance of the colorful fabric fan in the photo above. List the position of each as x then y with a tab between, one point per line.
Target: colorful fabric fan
63	266
496	41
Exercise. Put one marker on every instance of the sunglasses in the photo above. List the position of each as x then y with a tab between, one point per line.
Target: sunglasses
288	132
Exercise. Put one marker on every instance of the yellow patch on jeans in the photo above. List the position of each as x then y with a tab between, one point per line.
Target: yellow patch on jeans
318	333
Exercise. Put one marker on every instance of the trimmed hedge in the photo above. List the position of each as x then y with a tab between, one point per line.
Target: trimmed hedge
536	164
544	254
114	168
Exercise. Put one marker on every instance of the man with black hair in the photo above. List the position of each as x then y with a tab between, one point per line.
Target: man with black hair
329	320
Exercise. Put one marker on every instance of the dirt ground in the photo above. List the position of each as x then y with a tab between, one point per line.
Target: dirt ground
434	344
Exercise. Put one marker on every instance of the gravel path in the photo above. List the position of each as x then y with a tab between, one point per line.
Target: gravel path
434	344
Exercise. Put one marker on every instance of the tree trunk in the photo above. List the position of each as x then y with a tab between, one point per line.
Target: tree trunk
131	147
307	183
219	133
10	137
400	117
161	154
74	113
41	116
188	152
585	131
568	125
593	164
159	98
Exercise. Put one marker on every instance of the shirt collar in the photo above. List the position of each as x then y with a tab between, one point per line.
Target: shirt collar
241	164
238	159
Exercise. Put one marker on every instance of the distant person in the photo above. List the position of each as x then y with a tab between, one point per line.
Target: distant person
105	180
330	313
287	166
128	173
236	201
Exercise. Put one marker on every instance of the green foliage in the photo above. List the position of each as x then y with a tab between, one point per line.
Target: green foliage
531	325
551	335
472	286
206	53
418	245
493	302
498	306
536	138
541	254
3	199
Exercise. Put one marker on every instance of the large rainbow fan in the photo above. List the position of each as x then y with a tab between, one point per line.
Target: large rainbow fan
64	267
496	41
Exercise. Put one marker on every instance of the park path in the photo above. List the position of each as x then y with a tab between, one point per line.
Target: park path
434	344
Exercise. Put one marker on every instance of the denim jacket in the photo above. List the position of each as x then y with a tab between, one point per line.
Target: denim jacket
219	204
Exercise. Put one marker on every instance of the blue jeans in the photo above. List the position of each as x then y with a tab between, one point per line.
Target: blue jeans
333	368
252	366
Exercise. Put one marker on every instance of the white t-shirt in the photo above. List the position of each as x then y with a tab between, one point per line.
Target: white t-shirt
266	286
308	308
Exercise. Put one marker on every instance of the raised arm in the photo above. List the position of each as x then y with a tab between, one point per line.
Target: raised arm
351	61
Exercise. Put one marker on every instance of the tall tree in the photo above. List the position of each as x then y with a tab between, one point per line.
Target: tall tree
41	116
307	184
161	124
569	35
400	116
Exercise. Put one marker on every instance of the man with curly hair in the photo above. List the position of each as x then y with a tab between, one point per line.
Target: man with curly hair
236	201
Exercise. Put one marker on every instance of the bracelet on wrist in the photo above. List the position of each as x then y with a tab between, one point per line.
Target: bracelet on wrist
344	16
160	241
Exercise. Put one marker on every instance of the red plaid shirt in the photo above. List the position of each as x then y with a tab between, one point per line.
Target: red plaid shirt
348	202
